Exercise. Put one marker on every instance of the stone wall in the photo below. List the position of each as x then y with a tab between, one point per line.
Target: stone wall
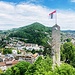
56	44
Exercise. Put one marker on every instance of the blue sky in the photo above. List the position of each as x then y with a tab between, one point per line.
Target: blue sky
55	4
18	13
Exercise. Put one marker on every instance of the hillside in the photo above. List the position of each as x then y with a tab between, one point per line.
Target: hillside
69	33
34	33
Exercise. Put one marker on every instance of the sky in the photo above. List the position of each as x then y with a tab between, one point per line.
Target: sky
19	13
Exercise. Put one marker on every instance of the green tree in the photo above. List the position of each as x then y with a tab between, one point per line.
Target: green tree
68	53
47	50
68	39
33	51
40	67
7	51
19	69
8	71
15	71
2	43
22	67
64	69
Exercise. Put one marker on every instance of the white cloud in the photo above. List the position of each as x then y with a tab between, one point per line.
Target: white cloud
14	16
34	1
66	19
72	0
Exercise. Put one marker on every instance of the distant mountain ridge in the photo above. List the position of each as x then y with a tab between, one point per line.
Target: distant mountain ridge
36	26
34	33
68	31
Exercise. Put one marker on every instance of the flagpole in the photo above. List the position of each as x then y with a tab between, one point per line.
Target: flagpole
56	18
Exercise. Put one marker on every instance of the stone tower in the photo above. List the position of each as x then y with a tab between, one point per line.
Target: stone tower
56	45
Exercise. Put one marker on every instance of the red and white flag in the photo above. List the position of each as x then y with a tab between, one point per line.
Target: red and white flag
51	14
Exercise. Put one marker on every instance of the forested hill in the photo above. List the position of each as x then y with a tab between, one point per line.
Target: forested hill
34	33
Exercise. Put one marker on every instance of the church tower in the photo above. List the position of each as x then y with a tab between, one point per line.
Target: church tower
56	45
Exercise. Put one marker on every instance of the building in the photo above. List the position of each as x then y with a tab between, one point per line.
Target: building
56	45
30	46
7	64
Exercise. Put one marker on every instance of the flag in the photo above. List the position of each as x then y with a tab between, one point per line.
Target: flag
51	14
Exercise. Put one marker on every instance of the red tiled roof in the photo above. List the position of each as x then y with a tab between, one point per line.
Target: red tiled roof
15	62
2	64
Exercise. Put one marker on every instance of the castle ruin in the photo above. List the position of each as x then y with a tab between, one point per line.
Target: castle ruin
56	45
